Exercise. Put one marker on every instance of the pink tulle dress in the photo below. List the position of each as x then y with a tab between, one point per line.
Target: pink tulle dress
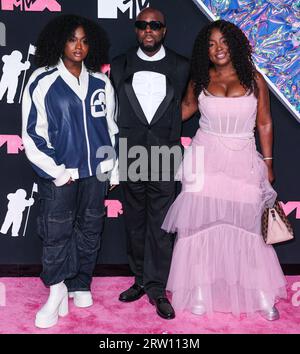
220	261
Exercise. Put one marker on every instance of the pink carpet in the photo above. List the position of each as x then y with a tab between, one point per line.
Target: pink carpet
24	296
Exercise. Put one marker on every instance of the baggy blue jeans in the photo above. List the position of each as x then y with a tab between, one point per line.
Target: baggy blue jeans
70	223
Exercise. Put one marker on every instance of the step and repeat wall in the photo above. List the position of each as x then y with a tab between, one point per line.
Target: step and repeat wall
20	23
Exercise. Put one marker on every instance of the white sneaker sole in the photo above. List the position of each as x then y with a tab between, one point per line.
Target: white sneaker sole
81	300
198	310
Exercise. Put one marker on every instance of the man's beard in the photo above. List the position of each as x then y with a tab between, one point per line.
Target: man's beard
151	48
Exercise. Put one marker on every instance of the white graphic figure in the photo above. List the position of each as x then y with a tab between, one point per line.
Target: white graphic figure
12	69
31	51
16	205
34	190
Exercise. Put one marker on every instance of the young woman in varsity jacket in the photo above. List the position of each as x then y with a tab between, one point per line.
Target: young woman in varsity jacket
68	114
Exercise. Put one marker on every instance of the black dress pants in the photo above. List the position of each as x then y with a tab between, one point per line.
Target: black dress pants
149	247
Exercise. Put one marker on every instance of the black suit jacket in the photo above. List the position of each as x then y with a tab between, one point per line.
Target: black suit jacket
165	127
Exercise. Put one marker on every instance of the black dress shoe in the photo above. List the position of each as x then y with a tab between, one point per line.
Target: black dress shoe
132	294
163	308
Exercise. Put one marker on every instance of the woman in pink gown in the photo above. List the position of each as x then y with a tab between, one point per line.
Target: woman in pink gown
220	261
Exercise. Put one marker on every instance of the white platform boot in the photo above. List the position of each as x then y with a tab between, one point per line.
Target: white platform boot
269	311
198	307
56	305
81	298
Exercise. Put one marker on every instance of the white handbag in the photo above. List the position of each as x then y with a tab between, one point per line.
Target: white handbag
276	226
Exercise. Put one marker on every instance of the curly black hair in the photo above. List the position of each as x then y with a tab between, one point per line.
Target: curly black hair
240	53
53	38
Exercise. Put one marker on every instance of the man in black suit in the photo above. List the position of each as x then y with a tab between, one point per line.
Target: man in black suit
150	81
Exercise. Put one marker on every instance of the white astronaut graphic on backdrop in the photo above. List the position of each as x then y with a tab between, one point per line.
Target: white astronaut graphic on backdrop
15	208
12	69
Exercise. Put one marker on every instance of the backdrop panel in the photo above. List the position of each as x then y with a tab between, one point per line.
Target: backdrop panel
20	23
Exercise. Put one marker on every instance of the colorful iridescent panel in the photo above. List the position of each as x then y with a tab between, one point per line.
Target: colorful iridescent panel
273	28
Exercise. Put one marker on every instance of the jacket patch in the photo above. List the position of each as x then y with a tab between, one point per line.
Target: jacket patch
98	104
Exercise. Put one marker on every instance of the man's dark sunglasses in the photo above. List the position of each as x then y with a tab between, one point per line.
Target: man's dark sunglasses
154	25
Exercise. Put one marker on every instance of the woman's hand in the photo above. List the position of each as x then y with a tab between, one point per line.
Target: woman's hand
271	176
189	105
70	181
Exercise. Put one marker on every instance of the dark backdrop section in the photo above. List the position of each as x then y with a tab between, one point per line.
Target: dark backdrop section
184	20
287	168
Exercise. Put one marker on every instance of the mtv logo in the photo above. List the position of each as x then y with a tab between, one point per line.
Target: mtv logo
109	9
105	69
289	207
31	5
2	35
114	208
2	294
14	143
185	141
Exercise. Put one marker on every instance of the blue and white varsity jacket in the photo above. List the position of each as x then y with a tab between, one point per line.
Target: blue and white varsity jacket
65	121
